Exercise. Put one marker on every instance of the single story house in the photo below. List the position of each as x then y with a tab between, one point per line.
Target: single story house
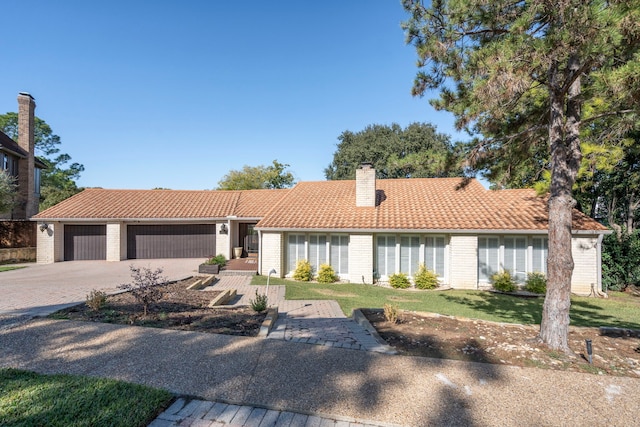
366	229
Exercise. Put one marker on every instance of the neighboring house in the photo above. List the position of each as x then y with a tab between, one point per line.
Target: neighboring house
18	160
367	229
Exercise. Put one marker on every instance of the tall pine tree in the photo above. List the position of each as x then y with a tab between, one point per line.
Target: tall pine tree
517	74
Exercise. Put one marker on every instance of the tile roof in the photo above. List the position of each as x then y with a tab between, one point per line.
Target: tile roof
403	204
100	204
414	204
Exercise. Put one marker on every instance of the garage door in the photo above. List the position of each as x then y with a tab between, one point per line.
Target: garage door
171	241
83	242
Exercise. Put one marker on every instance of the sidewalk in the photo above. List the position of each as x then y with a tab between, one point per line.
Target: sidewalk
329	382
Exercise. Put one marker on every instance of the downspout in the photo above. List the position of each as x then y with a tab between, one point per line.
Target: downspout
599	264
259	251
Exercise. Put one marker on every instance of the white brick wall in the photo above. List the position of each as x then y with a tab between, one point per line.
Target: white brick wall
50	244
115	241
585	260
463	262
361	258
272	253
222	243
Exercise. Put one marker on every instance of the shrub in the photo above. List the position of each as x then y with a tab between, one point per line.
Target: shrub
260	303
391	313
216	260
96	300
146	286
326	274
425	278
536	283
503	282
399	281
304	271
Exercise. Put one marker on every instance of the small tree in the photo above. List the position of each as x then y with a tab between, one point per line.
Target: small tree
145	287
7	191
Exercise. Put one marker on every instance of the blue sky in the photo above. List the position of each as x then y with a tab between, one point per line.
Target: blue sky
176	93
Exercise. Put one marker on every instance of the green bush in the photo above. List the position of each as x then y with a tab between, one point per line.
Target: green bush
536	283
425	278
304	271
260	303
503	282
216	260
326	274
399	281
621	260
96	300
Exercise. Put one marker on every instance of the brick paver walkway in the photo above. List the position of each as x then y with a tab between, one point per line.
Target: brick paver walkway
202	413
319	322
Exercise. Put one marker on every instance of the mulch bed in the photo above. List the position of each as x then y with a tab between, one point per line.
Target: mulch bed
179	308
431	335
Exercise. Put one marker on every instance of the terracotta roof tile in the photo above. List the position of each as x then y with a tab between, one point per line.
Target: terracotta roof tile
414	204
403	204
97	203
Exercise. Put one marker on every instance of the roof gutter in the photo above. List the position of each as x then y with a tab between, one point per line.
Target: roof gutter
425	230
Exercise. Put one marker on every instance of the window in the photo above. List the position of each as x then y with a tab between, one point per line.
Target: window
36	180
340	254
386	255
540	253
409	254
434	254
295	250
317	250
488	257
515	257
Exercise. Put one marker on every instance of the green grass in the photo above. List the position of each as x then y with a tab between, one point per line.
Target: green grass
616	311
30	399
10	267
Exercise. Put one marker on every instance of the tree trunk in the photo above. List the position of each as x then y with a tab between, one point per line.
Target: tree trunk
565	160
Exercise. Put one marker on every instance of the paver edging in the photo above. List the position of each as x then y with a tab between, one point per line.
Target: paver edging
268	322
361	319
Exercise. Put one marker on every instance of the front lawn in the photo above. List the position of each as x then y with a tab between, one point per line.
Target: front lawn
30	399
619	310
10	267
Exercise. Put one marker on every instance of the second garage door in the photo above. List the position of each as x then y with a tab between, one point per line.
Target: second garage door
171	241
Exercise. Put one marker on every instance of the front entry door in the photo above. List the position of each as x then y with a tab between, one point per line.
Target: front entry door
248	238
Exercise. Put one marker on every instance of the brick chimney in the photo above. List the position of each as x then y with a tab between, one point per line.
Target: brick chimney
28	199
366	186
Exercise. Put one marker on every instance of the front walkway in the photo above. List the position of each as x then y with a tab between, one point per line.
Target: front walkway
204	413
319	322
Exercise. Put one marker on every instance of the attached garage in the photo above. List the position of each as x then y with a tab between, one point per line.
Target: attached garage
171	241
85	242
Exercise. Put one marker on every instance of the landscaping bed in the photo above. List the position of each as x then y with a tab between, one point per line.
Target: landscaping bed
179	308
446	337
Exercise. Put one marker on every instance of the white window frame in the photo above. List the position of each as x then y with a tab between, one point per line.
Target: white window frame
337	268
534	268
503	262
306	253
499	258
445	256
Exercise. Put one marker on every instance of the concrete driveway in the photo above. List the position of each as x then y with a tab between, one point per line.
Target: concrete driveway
40	289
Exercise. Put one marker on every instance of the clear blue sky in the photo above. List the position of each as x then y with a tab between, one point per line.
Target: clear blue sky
177	93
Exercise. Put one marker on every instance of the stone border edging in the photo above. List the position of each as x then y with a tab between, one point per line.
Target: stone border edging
362	320
269	321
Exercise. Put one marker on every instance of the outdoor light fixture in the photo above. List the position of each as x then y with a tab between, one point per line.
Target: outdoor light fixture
589	350
44	226
223	229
